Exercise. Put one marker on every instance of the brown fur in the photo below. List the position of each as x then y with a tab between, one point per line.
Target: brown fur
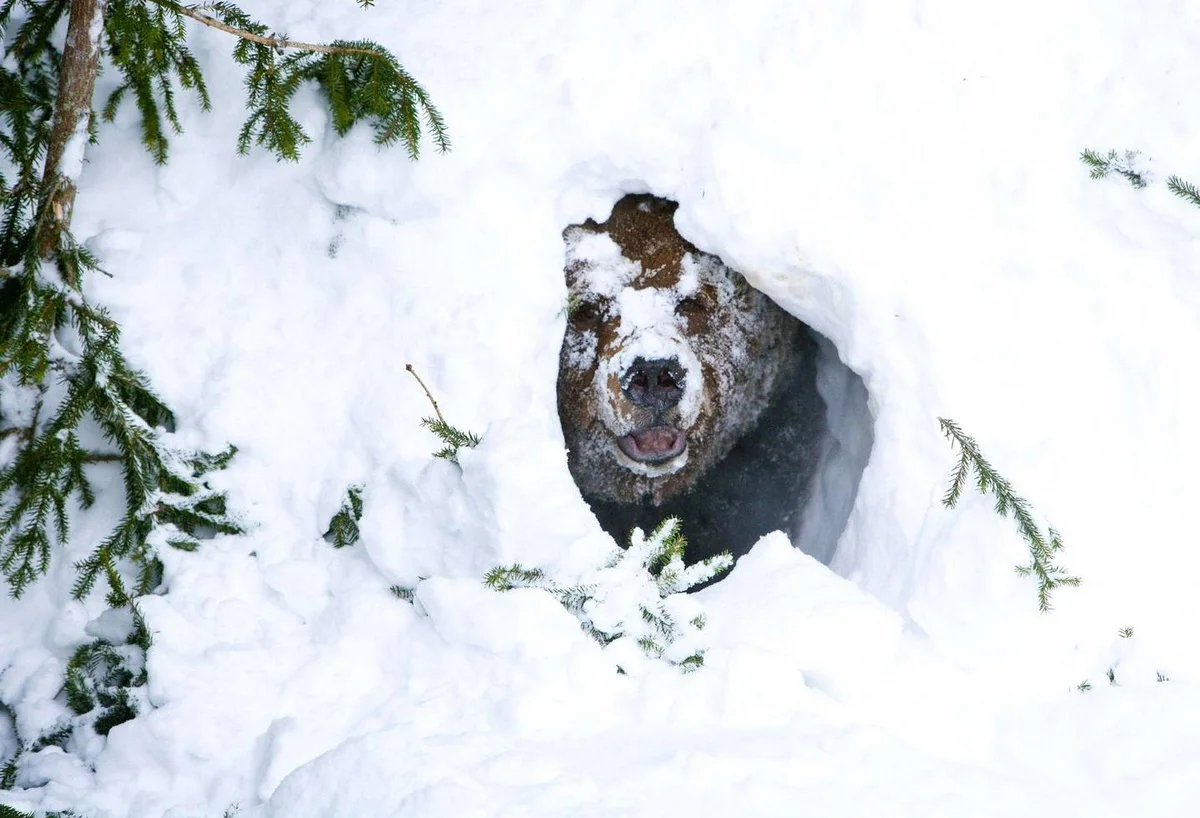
738	345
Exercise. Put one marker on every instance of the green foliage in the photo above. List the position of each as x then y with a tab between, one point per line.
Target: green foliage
505	578
9	812
637	595
343	527
62	369
147	43
453	438
572	305
403	593
360	80
1125	633
1123	165
1184	190
101	688
27	101
1084	686
1120	164
1042	547
47	326
8	767
99	682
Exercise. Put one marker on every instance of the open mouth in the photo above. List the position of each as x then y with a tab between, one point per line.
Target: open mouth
653	445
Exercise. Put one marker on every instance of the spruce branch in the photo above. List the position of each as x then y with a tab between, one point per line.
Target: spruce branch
1043	548
147	44
343	527
453	437
361	80
637	595
253	32
1122	165
505	578
9	812
1184	190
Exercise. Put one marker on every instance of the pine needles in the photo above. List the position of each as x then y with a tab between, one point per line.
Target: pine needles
343	527
453	437
360	80
1124	165
1043	548
47	326
637	597
147	43
1121	164
1184	190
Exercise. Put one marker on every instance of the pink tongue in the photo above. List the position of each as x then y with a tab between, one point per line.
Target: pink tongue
656	441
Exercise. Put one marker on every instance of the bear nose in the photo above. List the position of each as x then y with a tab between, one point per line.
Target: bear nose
655	385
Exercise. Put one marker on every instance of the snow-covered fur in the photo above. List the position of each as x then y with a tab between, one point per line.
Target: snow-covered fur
669	358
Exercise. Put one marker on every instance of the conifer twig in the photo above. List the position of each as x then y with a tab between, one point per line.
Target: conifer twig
1184	189
428	394
277	43
103	458
1043	548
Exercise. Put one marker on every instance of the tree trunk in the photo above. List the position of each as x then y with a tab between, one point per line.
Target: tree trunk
72	116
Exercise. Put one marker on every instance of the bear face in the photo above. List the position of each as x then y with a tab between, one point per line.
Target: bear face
669	358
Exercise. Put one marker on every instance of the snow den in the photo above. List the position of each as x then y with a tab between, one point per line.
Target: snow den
685	392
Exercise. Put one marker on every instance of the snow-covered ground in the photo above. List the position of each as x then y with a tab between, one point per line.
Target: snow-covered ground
903	176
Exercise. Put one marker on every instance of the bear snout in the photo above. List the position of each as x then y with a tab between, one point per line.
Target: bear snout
655	385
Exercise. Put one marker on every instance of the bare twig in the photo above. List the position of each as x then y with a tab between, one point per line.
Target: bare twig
429	395
278	43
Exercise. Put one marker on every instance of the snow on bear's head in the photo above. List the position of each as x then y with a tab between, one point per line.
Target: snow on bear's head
669	356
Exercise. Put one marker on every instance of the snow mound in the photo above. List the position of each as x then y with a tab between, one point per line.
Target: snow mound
900	176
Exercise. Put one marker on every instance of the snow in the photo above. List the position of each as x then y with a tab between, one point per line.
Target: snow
903	177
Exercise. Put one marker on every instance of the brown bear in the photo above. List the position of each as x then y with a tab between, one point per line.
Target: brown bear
682	390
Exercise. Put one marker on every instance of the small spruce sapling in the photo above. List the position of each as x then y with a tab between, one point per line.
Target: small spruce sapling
1042	547
343	527
637	597
452	437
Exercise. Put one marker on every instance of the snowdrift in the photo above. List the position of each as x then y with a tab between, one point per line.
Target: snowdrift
902	177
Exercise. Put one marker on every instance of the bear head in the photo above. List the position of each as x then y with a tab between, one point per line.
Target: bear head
669	355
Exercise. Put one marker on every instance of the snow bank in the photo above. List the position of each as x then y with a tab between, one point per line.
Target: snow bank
900	176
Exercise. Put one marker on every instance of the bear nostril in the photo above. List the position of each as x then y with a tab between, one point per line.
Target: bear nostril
656	385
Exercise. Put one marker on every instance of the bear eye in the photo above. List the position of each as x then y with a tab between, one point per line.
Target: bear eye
585	312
